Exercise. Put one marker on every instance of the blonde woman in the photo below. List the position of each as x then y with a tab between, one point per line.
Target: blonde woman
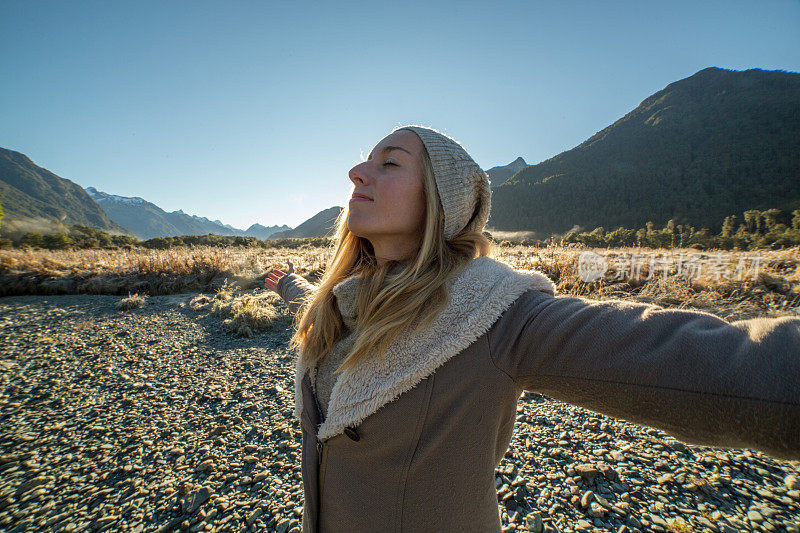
416	346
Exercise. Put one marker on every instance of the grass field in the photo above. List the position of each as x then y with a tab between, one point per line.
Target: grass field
733	285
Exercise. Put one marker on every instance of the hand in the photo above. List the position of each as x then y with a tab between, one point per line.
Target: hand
274	275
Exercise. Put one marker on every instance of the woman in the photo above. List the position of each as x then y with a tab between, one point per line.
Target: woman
416	346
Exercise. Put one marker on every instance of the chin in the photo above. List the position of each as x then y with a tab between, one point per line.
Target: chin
357	229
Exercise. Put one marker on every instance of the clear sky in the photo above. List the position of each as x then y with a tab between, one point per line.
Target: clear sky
255	111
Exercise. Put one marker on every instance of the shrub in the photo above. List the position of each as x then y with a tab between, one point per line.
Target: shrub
132	301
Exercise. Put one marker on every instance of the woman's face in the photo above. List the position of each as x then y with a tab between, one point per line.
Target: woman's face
392	178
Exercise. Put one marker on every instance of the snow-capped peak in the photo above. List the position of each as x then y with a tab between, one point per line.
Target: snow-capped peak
100	196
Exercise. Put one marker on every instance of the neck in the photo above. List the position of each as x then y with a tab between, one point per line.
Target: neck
394	250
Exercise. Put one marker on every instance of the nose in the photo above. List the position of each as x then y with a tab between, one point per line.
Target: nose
357	175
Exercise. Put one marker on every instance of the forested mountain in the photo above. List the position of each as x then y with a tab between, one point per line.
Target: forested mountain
715	143
35	199
497	175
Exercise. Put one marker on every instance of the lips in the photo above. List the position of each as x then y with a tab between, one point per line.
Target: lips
360	196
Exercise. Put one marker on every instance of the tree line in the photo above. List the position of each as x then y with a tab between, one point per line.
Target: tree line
83	237
771	228
756	229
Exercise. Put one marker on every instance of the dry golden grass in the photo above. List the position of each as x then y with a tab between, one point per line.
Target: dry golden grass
194	269
132	301
242	313
771	289
678	525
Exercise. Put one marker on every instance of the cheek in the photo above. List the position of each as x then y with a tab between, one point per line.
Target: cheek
408	199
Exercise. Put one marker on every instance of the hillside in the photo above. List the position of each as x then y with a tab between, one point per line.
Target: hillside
499	174
320	225
35	199
716	143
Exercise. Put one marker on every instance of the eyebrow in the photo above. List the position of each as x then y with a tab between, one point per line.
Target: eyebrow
389	149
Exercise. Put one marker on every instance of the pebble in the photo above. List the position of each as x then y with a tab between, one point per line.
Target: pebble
533	521
755	516
595	509
157	419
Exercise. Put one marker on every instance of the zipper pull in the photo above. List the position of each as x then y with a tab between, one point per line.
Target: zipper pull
319	452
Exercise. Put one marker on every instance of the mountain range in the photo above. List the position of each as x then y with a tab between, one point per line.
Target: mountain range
717	143
147	220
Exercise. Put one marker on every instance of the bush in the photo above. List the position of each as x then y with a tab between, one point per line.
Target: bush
132	301
57	241
33	239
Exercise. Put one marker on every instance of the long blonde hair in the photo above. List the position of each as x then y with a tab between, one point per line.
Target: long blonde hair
386	304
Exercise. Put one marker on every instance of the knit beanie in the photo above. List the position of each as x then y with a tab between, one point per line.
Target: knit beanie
464	188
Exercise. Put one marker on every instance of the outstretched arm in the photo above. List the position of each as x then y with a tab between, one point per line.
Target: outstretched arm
294	289
289	286
690	373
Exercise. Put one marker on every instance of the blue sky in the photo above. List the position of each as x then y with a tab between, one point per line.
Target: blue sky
255	111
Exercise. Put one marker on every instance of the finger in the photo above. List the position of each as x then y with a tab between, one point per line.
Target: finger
271	281
275	274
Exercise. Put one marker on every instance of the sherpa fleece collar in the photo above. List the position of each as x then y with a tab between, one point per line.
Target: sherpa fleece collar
478	296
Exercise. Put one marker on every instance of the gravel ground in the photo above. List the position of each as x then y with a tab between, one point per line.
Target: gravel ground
155	419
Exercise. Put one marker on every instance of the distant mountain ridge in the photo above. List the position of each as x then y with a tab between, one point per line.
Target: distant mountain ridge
498	175
36	200
320	225
147	220
716	143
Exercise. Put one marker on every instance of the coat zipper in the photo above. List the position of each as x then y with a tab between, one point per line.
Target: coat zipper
320	449
320	444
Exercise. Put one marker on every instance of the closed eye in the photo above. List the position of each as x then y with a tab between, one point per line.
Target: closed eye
389	163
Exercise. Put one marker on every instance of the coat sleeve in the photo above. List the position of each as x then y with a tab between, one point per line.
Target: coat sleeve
692	374
294	288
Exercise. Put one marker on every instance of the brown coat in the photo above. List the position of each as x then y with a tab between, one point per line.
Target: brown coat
425	459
